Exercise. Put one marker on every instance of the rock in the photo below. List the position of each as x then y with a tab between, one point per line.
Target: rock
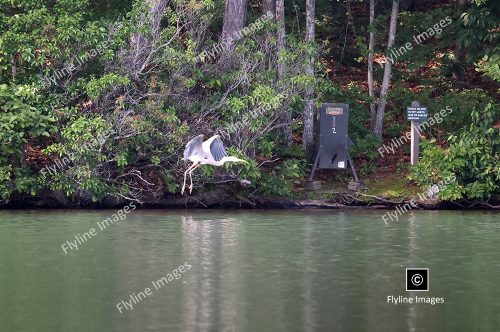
355	186
312	185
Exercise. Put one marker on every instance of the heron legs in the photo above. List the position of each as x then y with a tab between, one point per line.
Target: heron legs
190	168
191	177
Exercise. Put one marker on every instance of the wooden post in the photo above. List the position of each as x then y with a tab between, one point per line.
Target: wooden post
415	142
415	137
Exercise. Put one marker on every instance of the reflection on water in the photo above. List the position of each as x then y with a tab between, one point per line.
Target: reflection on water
251	271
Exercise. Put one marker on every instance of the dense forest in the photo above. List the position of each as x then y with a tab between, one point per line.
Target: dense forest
98	98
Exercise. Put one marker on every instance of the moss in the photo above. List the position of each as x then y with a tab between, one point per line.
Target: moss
393	187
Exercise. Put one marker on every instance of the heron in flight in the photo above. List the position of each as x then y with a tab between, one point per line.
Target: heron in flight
201	152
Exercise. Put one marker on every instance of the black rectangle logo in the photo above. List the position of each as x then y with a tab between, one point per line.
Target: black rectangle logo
417	279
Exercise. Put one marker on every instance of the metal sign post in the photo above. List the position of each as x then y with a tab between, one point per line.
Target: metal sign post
416	114
333	152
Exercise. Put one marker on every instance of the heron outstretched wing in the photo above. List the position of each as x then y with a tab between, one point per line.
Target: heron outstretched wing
217	149
193	146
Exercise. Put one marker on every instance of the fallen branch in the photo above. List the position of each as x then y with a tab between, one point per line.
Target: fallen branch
381	199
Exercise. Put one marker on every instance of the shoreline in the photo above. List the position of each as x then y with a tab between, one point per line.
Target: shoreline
224	199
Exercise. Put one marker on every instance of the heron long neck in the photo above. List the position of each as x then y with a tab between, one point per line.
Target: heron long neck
231	159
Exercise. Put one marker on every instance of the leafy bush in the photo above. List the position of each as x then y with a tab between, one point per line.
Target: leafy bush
365	147
21	118
477	30
461	103
279	182
490	67
155	89
472	158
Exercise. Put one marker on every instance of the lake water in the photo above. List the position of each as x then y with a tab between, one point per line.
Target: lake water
248	271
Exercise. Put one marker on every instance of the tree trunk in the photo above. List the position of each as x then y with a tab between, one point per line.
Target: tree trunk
142	45
234	20
350	19
459	58
308	135
269	6
280	19
379	119
371	43
13	65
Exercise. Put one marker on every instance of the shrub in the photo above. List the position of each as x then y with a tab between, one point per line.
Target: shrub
21	117
472	157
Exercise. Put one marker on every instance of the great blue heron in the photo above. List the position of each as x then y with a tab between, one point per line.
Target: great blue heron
201	152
